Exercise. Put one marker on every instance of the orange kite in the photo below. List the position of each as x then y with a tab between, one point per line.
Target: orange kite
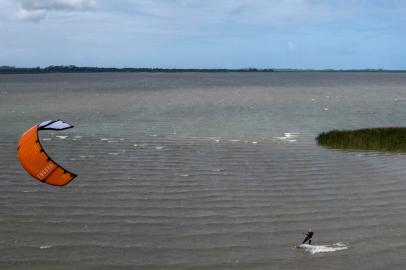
35	160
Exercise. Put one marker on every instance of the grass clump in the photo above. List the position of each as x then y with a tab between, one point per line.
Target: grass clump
390	139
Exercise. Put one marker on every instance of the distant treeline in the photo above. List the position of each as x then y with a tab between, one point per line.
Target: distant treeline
75	69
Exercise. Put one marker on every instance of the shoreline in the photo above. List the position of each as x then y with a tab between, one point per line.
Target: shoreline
75	69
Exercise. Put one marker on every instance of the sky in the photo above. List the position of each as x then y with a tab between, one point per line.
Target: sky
314	34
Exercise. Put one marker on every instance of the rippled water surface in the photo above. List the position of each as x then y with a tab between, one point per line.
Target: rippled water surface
203	171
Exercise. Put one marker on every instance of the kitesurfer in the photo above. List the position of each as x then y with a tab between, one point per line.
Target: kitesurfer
309	236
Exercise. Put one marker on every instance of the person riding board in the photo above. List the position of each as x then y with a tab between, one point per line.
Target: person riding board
309	236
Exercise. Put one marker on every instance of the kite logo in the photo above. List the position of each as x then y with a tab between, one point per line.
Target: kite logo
45	170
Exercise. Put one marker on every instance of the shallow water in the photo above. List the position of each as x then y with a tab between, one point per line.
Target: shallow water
202	171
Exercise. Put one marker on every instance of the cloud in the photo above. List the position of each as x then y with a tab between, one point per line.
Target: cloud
237	11
225	17
33	5
31	15
36	10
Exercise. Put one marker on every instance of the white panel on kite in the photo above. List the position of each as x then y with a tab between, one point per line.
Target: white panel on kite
45	123
55	125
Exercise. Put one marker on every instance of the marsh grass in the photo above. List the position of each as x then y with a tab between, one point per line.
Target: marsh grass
390	139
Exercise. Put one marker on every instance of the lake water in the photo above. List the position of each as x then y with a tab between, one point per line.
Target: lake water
203	171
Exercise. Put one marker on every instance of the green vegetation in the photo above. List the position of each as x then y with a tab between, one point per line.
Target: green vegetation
75	69
391	139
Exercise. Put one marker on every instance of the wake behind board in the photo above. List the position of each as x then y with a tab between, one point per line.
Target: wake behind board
313	249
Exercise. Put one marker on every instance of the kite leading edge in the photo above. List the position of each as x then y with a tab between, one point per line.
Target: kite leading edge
36	161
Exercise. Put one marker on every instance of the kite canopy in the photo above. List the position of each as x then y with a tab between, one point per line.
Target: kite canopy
35	160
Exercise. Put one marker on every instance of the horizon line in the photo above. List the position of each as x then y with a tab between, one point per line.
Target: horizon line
74	68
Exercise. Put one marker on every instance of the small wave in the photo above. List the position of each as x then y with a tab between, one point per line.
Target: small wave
251	142
313	249
291	134
45	246
288	137
61	137
281	138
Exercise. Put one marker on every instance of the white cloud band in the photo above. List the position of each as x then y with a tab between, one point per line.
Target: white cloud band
57	4
36	10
